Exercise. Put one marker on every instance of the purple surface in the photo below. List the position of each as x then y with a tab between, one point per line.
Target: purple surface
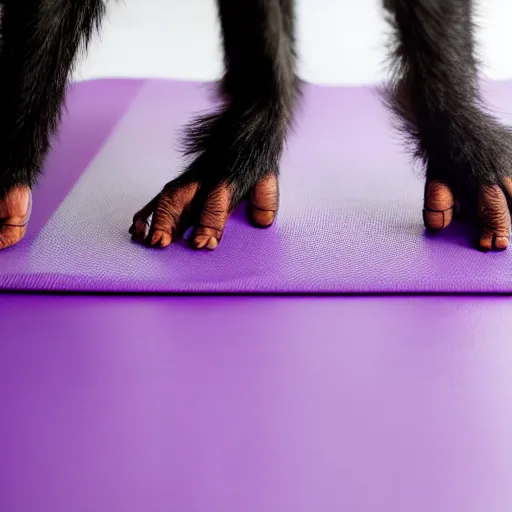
92	111
274	405
350	218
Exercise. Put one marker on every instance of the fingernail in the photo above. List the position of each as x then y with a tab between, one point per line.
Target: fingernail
212	243
501	242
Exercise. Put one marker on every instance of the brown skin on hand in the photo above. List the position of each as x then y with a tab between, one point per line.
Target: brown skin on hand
14	213
264	202
439	205
171	210
493	212
172	214
494	217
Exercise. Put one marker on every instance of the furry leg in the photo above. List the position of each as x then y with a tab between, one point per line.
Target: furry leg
434	94
40	39
236	150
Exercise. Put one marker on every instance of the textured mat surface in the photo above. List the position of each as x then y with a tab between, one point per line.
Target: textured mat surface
350	219
144	404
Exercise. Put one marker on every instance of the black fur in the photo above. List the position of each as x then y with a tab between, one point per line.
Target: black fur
433	90
243	140
434	94
39	42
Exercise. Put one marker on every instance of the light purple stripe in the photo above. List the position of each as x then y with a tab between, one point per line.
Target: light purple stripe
80	138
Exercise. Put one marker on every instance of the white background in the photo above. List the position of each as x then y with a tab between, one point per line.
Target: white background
340	41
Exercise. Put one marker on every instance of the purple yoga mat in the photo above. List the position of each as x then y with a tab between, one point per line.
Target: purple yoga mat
350	220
